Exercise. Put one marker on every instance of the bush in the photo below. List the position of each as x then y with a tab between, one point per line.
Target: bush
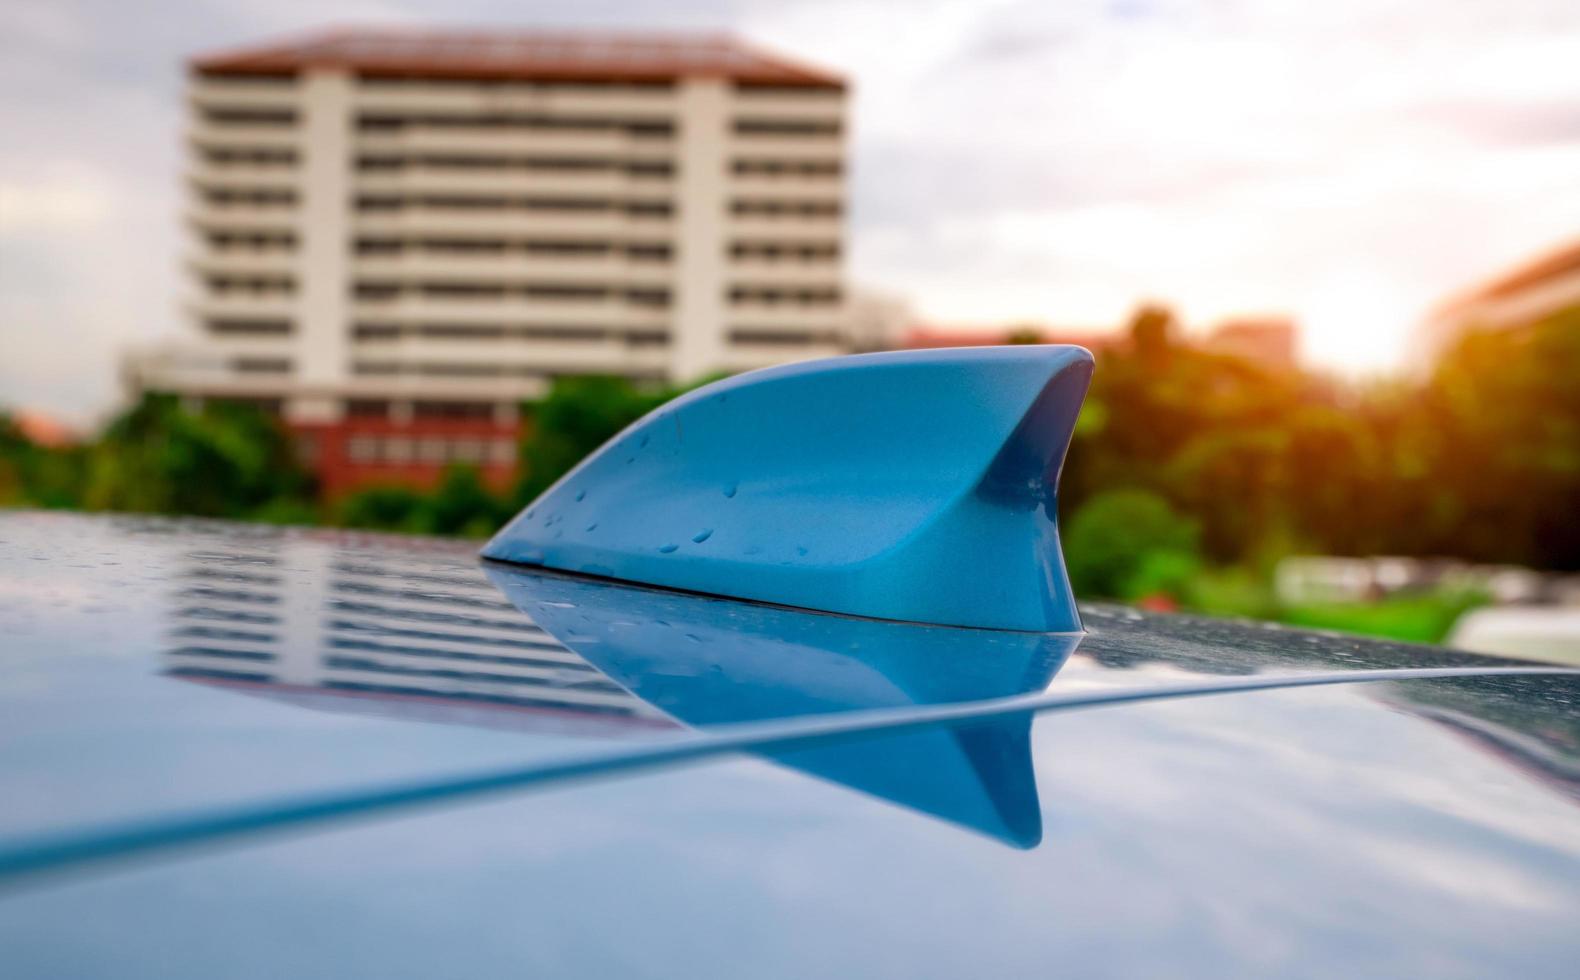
460	506
1125	544
224	461
383	509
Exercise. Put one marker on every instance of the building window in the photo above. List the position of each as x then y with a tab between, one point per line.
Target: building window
370	202
774	251
467	290
780	207
646	338
649	209
368	408
784	337
564	291
381	123
250	117
255	197
650	168
761	167
585	334
453	369
398	449
655	298
461	331
787	127
566	247
648	252
249	328
376	331
252	156
430	450
747	88
256	285
468	451
452	410
377	291
379	246
263	241
775	295
272	407
261	365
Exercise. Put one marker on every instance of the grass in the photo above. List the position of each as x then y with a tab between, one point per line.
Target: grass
1420	617
1425	618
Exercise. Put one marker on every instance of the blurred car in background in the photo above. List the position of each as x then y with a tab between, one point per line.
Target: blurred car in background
1550	633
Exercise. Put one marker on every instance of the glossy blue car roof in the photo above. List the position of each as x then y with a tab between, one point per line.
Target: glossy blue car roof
857	797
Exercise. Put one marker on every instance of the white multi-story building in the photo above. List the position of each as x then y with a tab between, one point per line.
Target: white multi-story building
397	230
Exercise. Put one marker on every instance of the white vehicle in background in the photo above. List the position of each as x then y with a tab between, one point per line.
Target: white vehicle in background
1550	633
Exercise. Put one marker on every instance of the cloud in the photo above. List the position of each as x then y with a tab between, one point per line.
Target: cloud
59	202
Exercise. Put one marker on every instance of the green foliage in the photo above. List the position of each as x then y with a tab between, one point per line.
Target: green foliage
13	447
1479	461
463	506
288	510
1190	473
35	476
460	506
1235	590
1127	544
1424	618
225	461
384	509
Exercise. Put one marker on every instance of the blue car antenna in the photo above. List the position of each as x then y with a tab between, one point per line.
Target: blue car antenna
708	662
918	486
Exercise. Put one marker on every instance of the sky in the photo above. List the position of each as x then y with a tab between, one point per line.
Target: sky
1348	163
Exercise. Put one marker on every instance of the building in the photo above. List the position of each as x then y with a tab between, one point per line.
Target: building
1547	284
45	430
1271	341
398	237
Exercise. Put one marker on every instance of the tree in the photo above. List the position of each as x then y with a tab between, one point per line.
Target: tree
463	506
579	415
226	460
37	476
384	509
1127	543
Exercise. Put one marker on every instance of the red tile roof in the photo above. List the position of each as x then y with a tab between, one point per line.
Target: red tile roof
530	55
1558	263
43	430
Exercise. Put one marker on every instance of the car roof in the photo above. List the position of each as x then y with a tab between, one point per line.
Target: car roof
918	800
